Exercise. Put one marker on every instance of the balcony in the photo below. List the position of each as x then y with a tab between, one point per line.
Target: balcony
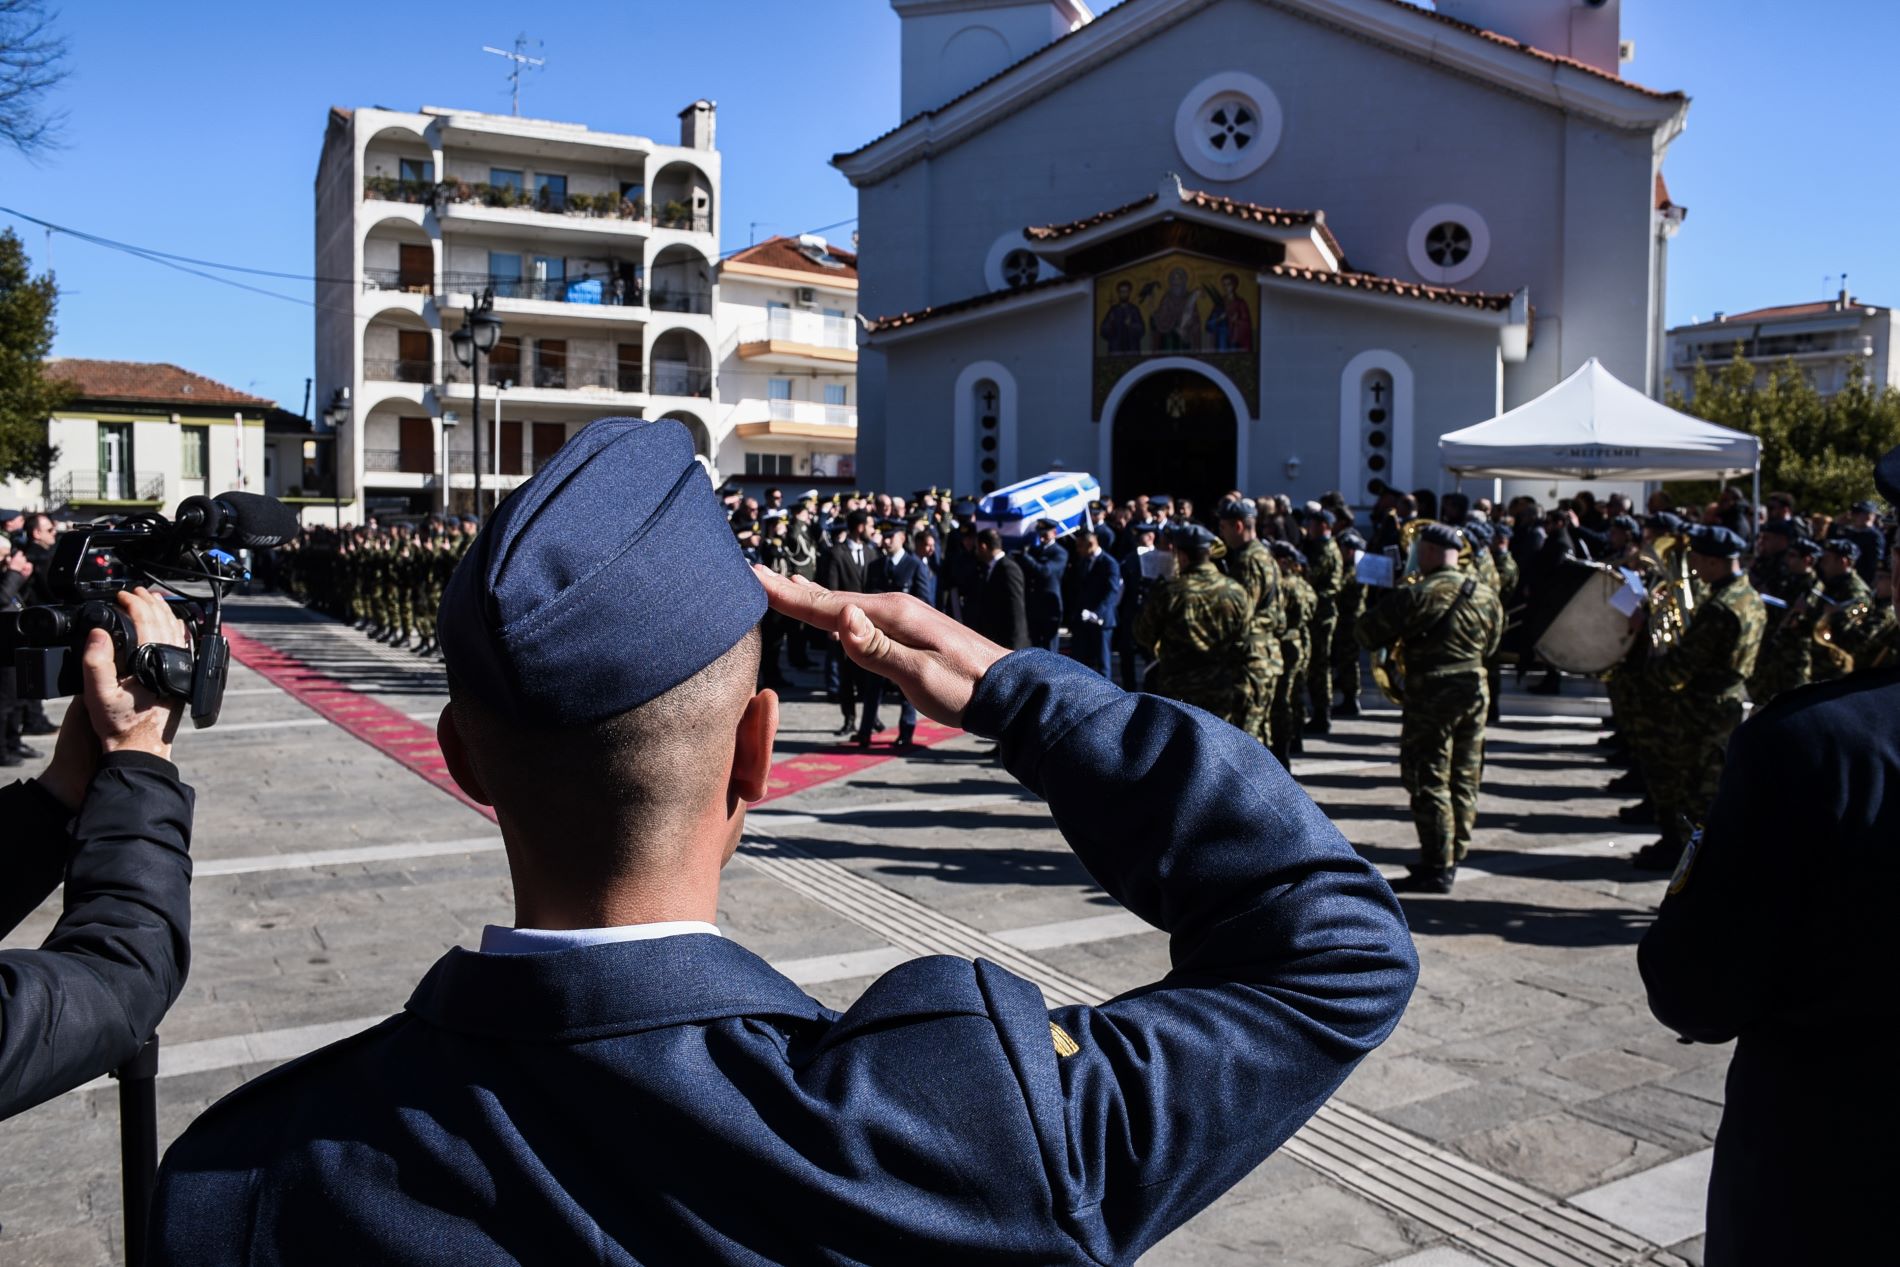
609	292
803	420
399	461
80	488
677	215
672	378
397	370
576	375
603	206
390	189
392	279
788	337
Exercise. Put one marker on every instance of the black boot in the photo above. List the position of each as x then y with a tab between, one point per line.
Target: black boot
1348	709
1552	684
906	740
1423	879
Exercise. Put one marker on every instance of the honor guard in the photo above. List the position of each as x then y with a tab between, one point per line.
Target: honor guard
1327	575
1450	622
1298	602
1198	626
1248	563
1348	678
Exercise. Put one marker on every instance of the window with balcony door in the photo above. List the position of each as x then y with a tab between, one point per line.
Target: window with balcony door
412	356
504	273
550	192
769	464
115	461
415	268
834	393
627	368
416	438
547	438
778	389
194	458
504	361
549	277
550	363
419	170
509	451
505	178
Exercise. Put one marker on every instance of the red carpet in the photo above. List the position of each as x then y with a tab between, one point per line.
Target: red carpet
412	743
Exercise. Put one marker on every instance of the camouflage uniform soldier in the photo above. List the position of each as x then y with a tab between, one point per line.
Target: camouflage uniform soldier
1635	699
1248	563
1786	658
1703	676
1197	625
1295	645
1842	588
1326	573
1450	622
1347	678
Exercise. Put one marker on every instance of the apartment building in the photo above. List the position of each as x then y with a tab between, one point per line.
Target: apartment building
1823	339
600	251
788	339
140	436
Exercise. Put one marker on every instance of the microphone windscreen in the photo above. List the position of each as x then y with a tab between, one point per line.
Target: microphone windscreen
256	521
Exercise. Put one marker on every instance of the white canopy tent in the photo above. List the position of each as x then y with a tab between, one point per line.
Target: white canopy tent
1592	426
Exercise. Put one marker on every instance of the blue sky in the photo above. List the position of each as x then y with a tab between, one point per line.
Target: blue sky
194	128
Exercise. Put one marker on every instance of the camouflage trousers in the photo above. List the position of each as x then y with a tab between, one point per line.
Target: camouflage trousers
1638	705
1319	666
1223	694
1263	680
1441	758
1684	766
1288	713
1348	678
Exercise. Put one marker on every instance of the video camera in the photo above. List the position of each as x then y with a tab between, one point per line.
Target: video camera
92	562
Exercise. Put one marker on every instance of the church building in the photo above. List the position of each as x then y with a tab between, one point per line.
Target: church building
1279	245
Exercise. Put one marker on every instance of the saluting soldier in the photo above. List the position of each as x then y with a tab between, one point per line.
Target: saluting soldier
1701	692
1786	658
1450	622
1299	604
1327	575
1248	563
1197	625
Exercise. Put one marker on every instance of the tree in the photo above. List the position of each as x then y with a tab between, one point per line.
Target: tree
27	397
1820	449
32	64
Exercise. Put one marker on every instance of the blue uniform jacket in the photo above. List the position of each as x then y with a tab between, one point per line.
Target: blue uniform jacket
678	1101
1099	590
908	575
1043	569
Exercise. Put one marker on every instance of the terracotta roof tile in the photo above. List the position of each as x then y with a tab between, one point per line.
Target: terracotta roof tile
1051	232
784	252
1554	59
1396	286
878	325
147	382
1782	312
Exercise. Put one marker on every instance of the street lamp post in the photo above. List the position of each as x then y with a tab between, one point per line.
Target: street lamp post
336	414
474	339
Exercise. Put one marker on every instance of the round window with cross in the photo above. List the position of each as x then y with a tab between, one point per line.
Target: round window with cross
1020	268
1448	244
1230	123
1227	126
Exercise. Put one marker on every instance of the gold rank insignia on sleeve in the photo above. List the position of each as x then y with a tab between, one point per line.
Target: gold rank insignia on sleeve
1680	880
1065	1046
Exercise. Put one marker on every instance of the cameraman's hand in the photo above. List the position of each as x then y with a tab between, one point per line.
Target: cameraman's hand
934	660
124	714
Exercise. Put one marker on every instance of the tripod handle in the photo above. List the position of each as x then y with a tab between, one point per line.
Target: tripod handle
138	1144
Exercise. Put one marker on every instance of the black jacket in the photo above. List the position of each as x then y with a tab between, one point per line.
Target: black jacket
1001	615
88	998
1776	934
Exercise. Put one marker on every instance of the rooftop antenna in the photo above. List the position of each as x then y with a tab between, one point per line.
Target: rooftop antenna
520	60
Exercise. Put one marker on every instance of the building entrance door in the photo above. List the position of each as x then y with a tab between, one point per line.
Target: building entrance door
115	462
1175	433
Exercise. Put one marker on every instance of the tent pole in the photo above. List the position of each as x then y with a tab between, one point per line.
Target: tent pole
1756	510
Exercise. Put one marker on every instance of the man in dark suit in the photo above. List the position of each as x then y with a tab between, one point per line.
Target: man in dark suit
1000	612
1135	587
613	1081
110	819
895	571
1044	563
1098	598
842	568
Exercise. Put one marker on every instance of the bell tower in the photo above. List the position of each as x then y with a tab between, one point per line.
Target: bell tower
1588	30
951	46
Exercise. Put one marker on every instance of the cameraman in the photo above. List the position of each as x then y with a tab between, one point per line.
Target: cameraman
110	819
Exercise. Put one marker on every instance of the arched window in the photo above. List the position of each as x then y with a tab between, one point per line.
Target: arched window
1375	425
985	430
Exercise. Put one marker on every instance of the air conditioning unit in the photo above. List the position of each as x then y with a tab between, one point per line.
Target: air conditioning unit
807	297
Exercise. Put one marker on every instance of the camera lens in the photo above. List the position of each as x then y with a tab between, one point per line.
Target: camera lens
45	626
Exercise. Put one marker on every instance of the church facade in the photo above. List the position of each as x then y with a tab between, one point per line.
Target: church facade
1280	245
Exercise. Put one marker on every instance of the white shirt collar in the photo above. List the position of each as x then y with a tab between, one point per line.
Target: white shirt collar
497	940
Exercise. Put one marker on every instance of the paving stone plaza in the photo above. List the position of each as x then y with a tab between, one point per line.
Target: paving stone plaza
1527	1111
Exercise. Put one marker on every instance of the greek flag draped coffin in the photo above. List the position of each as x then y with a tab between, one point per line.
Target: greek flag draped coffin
1063	496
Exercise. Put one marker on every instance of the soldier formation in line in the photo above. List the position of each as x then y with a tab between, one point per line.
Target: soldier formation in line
1263	620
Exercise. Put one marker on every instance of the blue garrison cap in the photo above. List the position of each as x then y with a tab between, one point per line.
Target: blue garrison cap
1842	546
1191	534
1666	521
1715	542
607	579
1628	524
1477	531
1442	535
1781	528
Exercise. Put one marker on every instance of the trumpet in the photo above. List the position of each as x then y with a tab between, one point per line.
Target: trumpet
1388	663
1837	620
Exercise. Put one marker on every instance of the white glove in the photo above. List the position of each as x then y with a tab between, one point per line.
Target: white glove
1090	618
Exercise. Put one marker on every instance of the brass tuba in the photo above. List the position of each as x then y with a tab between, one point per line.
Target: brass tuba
1672	601
1388	663
1837	620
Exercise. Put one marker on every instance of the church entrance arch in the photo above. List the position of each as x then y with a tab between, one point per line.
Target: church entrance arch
1175	431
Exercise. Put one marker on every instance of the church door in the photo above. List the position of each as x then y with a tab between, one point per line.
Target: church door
1175	433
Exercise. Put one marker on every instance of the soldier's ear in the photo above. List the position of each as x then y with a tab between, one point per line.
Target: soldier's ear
455	756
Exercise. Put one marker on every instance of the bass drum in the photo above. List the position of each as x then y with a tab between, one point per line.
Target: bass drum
1588	635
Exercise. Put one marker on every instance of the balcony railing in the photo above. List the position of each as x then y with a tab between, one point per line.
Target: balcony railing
674	215
576	375
673	378
812	329
618	291
390	189
398	370
665	299
417	463
811	411
603	206
392	279
108	486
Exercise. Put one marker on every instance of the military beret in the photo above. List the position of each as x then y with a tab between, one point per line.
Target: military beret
1666	522
1843	547
1284	550
10	514
1781	528
1502	528
1715	542
1238	508
535	619
1192	535
1443	535
1628	524
1887	476
1807	546
1866	507
1477	532
1351	540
